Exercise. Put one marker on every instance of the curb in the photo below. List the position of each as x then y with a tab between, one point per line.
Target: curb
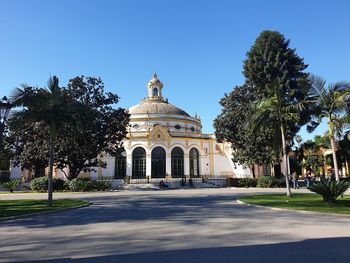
291	210
45	212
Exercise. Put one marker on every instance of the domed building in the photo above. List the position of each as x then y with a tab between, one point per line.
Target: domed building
165	141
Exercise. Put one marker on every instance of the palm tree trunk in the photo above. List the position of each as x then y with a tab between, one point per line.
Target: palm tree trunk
285	156
50	185
334	154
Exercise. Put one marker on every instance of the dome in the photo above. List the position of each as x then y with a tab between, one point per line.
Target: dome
157	107
155	81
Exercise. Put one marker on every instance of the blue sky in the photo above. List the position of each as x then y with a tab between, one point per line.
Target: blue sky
196	47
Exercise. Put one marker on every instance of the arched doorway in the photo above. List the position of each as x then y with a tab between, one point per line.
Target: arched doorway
177	163
158	162
139	163
194	163
120	165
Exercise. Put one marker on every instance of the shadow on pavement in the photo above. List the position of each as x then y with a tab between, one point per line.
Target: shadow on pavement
313	250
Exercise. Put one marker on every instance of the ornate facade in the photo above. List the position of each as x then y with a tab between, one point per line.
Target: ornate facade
165	141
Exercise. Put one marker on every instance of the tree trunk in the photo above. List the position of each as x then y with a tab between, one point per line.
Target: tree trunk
50	185
334	154
285	156
253	171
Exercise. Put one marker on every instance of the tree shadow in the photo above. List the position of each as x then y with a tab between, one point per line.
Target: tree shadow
323	250
127	208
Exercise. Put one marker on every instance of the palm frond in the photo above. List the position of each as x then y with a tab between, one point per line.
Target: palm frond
312	125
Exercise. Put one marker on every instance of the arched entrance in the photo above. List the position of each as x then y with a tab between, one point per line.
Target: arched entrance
139	163
194	163
120	165
158	162
177	163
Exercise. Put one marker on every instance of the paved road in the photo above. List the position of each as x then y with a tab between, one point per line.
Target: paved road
199	225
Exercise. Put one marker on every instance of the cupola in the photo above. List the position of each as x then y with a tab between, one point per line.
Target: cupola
155	87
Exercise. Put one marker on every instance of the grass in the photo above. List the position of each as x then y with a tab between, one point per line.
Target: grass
305	202
21	207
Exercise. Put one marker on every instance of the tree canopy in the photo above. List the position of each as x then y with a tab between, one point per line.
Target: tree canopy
95	128
271	66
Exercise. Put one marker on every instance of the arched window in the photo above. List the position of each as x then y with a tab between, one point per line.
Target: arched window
120	165
155	92
158	162
177	163
194	163
139	163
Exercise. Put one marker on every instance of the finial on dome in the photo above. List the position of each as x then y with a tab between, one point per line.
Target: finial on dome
155	75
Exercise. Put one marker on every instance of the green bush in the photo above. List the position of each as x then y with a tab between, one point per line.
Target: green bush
80	185
266	181
102	185
11	185
247	182
58	184
40	184
66	185
232	182
329	190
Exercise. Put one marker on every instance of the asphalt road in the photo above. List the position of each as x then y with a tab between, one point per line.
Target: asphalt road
197	225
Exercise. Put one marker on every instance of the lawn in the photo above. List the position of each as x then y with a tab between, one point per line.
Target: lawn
306	202
22	207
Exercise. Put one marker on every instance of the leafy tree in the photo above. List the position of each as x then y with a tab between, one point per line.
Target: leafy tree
28	142
49	107
231	125
276	73
332	103
314	163
322	141
279	112
94	128
98	128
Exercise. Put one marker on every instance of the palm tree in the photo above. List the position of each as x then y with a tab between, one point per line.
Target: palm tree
332	102
48	106
276	114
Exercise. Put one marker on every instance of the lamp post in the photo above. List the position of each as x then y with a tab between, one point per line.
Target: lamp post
5	107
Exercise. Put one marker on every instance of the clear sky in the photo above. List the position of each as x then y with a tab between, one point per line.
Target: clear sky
197	47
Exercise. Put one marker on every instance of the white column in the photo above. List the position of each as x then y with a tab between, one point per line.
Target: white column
148	165
129	165
187	164
168	164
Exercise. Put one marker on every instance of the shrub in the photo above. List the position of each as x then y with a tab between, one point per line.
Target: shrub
80	184
58	184
232	182
102	185
329	190
40	184
127	180
11	185
247	182
266	181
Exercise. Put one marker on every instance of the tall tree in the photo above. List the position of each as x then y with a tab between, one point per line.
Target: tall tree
49	107
270	63
98	127
279	113
94	128
332	103
231	125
